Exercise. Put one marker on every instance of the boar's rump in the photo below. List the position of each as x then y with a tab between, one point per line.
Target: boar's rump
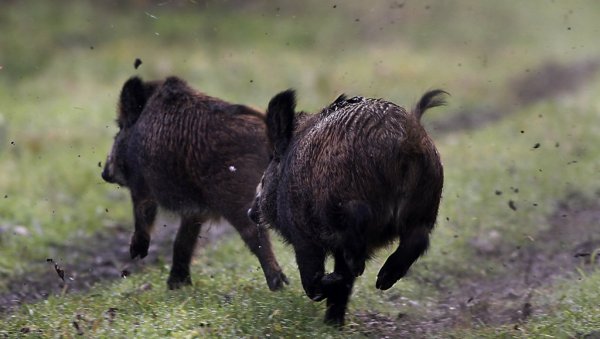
360	174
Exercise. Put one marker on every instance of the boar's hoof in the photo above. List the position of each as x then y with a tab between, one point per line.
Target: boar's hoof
315	290
175	283
387	279
317	296
139	246
277	280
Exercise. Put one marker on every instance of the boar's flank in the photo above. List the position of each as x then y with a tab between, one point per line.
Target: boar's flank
174	149
360	174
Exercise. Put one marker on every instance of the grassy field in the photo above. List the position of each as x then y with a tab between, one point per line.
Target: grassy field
521	190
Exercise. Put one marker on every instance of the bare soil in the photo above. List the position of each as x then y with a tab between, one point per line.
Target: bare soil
86	261
550	80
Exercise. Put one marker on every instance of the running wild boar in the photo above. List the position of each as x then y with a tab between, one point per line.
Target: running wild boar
357	176
194	155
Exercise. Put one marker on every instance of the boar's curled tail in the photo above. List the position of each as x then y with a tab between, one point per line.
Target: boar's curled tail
429	100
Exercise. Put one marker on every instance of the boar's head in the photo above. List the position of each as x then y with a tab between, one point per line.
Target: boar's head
280	124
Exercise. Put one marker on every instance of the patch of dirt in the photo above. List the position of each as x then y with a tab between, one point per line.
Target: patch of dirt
551	79
101	257
568	244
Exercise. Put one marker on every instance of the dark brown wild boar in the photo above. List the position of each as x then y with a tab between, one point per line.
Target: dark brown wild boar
194	155
357	176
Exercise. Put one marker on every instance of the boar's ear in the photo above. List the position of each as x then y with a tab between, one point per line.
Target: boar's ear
280	120
132	102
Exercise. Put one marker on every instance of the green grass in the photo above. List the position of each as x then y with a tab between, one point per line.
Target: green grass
62	68
571	313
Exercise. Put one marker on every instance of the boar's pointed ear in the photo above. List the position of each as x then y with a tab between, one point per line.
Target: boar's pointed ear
132	102
280	120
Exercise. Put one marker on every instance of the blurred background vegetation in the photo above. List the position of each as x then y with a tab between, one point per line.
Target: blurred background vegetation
522	125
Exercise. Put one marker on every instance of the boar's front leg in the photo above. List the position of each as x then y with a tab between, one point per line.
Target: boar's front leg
144	211
183	249
412	245
258	241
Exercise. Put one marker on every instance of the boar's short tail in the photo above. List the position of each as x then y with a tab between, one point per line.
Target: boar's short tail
429	100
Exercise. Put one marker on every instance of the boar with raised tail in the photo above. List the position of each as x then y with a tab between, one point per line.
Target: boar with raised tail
194	155
359	175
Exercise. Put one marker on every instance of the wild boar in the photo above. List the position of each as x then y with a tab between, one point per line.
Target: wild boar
195	155
357	176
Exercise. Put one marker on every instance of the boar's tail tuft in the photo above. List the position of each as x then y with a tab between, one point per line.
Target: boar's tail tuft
429	100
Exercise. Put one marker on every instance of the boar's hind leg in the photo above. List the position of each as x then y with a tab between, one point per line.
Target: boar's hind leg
259	242
337	286
412	245
183	249
144	211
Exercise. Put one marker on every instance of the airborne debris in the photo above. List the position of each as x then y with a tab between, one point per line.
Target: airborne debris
77	328
512	205
232	169
537	145
137	63
111	313
59	271
150	15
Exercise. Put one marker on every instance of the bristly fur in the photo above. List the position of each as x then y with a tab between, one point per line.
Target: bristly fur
431	99
361	174
340	98
195	155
